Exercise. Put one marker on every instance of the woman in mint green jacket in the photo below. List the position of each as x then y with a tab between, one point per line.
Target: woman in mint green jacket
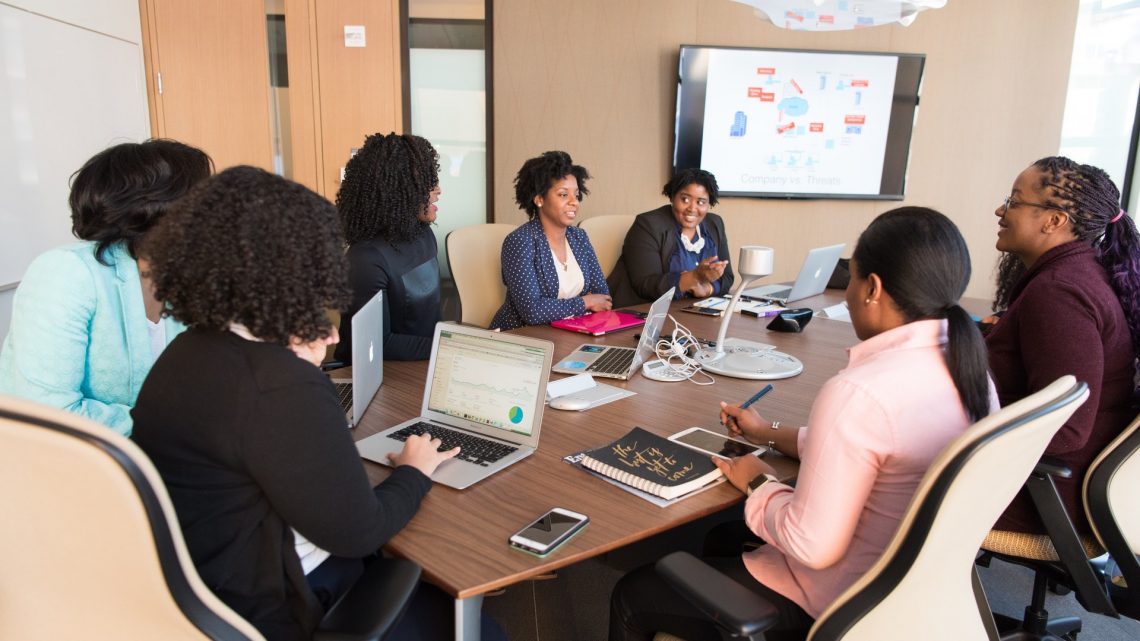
85	325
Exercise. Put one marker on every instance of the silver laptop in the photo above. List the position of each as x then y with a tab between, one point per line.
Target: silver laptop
609	361
484	393
815	273
367	360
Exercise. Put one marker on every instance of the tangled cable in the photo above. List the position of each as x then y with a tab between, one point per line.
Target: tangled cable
675	353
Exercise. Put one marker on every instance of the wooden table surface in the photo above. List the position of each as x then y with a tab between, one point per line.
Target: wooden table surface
459	538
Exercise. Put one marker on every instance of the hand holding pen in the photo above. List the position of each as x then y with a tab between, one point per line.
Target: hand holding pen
741	421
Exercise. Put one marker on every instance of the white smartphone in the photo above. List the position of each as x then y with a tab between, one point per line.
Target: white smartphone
549	531
700	439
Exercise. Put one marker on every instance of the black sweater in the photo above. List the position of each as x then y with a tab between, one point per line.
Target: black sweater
250	441
409	275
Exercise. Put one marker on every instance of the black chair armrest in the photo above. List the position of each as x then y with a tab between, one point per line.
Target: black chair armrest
732	606
1052	467
373	604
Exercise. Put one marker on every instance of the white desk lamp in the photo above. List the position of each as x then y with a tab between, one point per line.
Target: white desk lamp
741	358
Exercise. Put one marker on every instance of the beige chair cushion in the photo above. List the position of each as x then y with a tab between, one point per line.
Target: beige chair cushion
1038	547
79	556
473	253
607	235
1121	489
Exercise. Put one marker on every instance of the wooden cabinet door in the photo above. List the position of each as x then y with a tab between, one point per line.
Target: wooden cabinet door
208	77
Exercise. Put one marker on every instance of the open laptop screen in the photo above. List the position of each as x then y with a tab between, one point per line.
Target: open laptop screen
487	381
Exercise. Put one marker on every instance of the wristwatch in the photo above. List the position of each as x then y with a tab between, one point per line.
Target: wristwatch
757	482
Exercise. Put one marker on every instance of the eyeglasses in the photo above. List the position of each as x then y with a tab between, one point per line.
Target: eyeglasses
1010	203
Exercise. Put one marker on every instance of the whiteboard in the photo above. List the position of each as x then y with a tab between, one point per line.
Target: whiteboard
66	92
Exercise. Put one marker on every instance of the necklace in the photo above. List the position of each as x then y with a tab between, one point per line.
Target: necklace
566	247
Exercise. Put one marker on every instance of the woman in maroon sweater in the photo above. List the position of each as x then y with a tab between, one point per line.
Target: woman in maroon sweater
1069	287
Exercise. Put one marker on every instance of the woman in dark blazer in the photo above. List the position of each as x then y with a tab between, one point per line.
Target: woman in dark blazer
681	245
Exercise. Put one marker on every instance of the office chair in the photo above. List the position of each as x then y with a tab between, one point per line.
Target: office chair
1062	557
91	547
924	586
607	235
473	256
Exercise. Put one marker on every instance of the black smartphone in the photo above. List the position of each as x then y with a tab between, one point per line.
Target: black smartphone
549	531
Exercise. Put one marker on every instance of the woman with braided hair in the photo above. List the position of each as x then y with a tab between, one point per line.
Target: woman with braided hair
387	206
1069	301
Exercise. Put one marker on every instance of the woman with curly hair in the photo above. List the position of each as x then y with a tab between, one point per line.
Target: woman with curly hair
86	326
680	245
549	266
246	431
1069	290
387	205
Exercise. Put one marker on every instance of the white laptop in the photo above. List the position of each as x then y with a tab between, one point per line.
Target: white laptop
367	360
815	273
610	361
485	392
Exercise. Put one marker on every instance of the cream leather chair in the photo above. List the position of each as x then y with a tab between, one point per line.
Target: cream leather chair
473	255
91	547
924	585
607	235
1063	558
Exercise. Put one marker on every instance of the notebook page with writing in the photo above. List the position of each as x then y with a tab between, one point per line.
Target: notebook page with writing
652	464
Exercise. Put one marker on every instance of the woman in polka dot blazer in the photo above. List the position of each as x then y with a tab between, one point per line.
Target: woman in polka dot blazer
549	266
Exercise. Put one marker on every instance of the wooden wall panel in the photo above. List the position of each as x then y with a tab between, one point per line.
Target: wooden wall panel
597	78
304	94
215	77
359	88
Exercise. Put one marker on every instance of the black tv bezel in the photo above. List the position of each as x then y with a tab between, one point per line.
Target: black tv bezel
688	120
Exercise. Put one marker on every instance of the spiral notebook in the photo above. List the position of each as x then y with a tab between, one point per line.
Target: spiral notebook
653	464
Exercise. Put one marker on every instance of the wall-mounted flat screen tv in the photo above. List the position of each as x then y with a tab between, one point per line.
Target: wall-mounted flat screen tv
783	123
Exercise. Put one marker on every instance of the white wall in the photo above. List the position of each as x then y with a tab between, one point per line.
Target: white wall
71	83
5	312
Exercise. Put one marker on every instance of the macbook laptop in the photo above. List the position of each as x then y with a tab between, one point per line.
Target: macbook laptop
600	323
367	360
610	361
815	273
484	393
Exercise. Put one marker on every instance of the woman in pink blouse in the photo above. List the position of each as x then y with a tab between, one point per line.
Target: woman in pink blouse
916	381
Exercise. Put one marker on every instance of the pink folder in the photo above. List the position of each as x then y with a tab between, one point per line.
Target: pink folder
599	323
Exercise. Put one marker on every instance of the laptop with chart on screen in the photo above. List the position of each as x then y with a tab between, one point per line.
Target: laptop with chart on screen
485	392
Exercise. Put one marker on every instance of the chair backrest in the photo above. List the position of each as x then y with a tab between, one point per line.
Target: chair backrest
1111	507
473	256
90	544
922	585
607	235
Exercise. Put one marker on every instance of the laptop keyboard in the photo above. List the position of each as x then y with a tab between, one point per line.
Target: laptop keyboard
472	448
344	393
613	361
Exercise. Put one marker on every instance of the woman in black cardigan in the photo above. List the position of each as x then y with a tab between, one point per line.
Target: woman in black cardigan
387	206
681	245
246	431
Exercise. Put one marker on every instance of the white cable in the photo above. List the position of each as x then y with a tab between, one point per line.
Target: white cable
675	354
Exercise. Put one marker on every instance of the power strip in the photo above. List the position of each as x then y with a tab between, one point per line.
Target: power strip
659	370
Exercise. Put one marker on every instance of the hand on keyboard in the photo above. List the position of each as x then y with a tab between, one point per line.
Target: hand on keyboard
421	452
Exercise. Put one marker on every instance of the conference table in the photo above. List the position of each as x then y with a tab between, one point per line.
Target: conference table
459	537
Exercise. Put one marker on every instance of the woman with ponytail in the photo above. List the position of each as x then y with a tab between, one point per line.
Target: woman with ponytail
916	381
1069	293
